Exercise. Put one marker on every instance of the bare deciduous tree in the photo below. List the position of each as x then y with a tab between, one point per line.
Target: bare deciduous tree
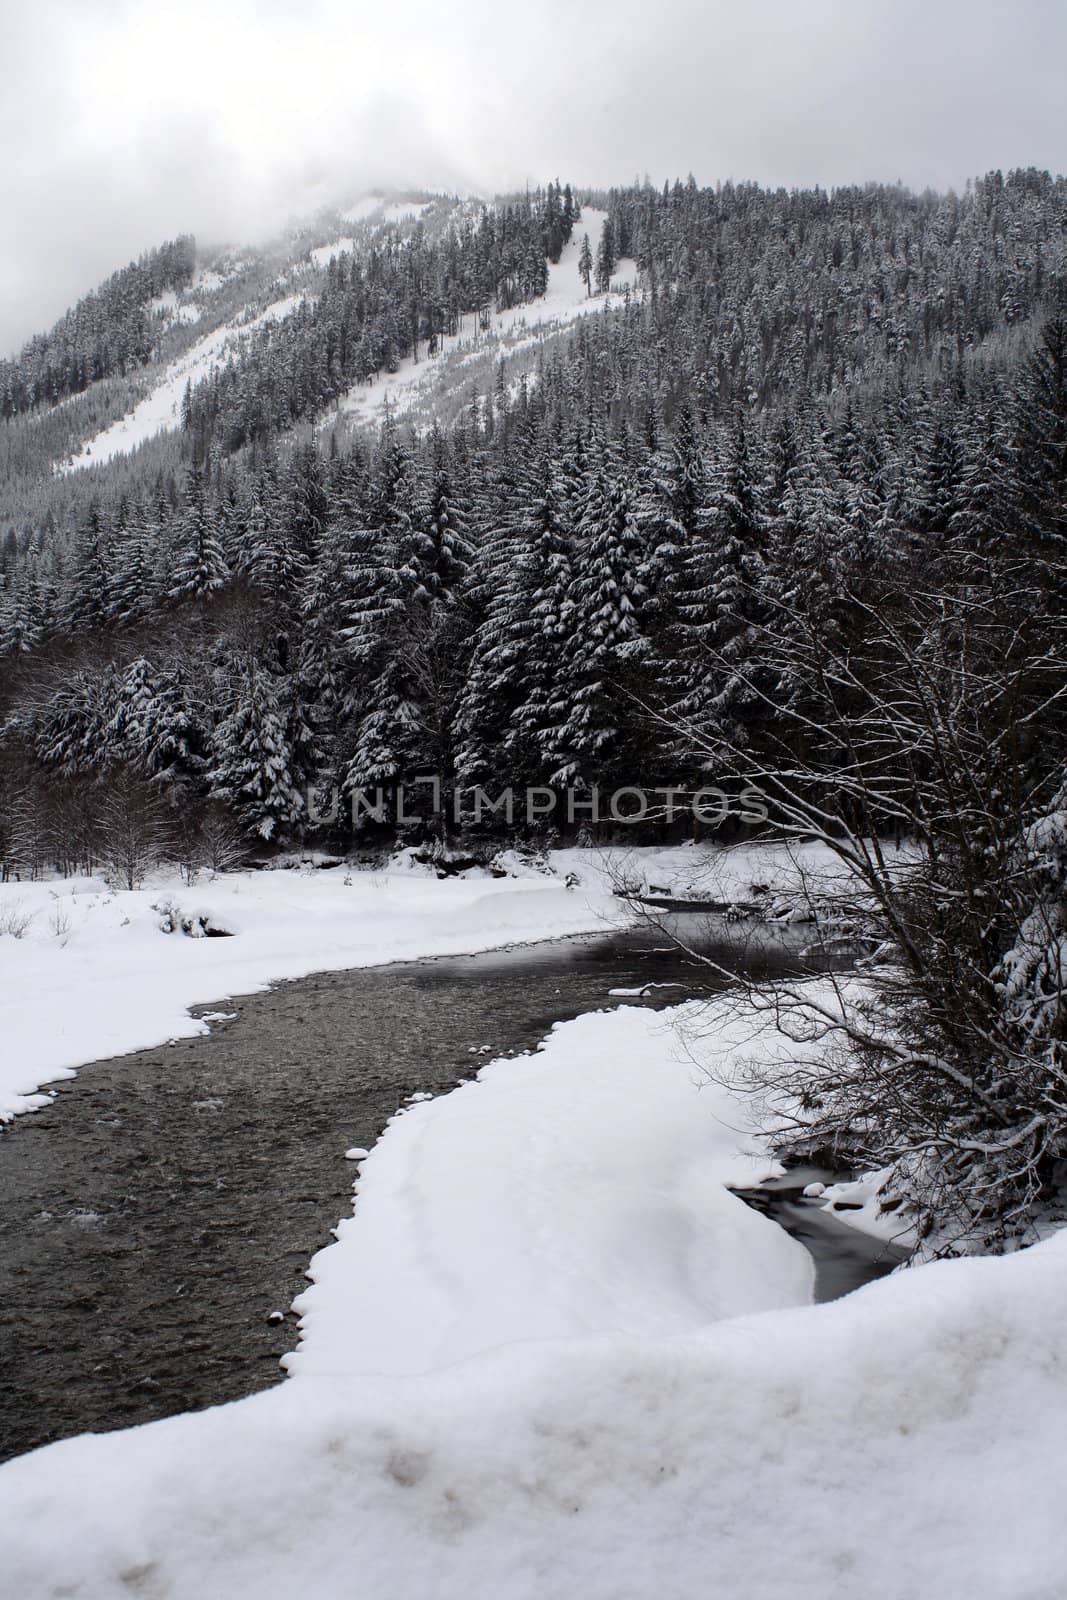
136	829
940	722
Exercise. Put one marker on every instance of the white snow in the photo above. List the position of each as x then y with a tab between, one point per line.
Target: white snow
741	873
168	307
577	1190
160	410
209	280
113	982
533	1366
377	208
564	301
324	253
404	210
860	1203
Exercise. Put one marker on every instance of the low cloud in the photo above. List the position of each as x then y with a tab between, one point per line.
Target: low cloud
123	124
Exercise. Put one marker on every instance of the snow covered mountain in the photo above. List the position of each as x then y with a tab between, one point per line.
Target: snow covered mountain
422	388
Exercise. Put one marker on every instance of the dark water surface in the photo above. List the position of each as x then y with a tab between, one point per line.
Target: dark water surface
155	1215
845	1258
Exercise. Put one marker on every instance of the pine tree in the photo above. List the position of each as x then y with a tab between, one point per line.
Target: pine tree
252	764
88	602
157	727
605	256
522	581
585	264
200	569
133	589
1041	454
608	594
717	603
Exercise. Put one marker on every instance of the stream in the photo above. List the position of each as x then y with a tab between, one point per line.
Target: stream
168	1202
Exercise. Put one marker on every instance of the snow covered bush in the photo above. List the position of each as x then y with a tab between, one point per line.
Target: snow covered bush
169	913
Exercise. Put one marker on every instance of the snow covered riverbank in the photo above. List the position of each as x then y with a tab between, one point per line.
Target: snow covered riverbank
580	1189
85	972
90	974
551	1355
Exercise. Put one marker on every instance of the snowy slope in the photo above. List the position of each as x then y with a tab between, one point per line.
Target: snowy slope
160	409
519	328
325	253
416	383
169	308
905	1441
378	208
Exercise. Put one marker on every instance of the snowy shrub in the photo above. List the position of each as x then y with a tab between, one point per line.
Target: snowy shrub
948	1063
170	915
136	831
204	925
15	920
209	839
59	920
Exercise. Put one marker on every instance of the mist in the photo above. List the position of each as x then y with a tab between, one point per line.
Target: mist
125	124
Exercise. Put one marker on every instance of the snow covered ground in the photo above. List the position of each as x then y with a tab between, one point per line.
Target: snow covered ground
404	210
738	874
551	1356
171	309
323	254
578	1190
378	208
160	410
565	300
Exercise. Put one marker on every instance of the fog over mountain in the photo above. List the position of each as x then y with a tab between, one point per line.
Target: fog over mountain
125	124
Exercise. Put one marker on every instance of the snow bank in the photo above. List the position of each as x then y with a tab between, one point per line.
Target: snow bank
574	1190
742	873
92	975
904	1441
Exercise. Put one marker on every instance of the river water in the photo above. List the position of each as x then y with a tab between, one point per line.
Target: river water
156	1214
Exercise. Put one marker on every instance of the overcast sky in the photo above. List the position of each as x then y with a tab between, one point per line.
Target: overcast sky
124	123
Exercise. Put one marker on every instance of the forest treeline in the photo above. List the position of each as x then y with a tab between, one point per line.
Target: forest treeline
817	400
111	331
537	598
